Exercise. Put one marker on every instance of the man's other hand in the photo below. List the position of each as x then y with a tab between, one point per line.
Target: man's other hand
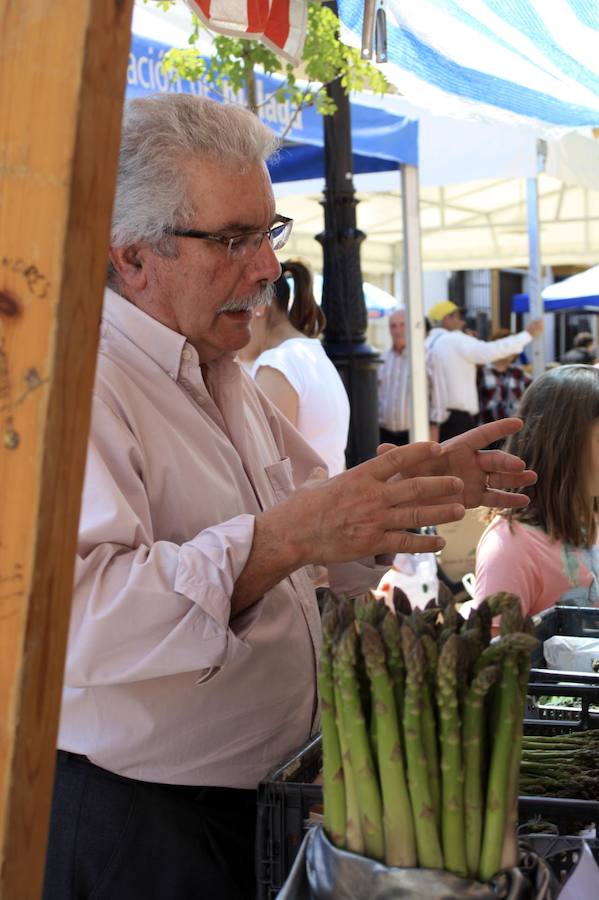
486	474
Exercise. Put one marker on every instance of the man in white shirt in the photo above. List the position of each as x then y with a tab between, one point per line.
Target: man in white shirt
452	358
194	639
394	385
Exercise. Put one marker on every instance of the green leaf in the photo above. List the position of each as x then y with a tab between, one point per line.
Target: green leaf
325	58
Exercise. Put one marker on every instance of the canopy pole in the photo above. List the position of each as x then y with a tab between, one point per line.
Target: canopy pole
534	265
62	81
414	301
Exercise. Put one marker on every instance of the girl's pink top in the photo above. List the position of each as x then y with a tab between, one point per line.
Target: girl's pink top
523	560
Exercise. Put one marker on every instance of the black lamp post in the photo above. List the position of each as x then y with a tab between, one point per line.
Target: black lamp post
342	292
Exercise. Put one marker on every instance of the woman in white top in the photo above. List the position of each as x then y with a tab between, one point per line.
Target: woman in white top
294	371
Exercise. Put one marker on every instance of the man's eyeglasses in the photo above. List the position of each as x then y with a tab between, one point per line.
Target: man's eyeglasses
246	244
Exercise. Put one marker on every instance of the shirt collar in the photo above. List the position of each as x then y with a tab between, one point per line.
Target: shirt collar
169	349
159	342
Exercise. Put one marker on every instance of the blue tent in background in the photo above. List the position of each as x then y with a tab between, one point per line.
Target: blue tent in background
579	292
381	140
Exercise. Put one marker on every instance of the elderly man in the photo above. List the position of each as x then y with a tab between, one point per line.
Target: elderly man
393	381
452	358
192	657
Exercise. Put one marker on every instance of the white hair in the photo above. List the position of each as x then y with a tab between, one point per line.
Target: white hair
160	135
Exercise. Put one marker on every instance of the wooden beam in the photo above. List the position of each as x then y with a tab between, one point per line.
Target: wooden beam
62	80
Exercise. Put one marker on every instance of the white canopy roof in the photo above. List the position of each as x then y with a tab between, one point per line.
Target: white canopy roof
472	199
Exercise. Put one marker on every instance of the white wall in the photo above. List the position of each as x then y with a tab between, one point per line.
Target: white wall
435	288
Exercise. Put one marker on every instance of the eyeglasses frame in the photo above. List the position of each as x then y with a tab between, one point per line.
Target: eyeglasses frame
227	240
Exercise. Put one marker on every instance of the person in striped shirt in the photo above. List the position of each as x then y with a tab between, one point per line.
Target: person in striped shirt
394	380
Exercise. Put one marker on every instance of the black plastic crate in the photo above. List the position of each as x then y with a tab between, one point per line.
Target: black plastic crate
287	799
575	621
562	813
554	719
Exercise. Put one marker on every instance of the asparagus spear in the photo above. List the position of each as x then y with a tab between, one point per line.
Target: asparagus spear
391	633
473	764
557	742
365	608
453	622
471	646
429	723
400	845
423	622
428	846
492	655
498	802
333	778
510	644
444	596
500	602
401	602
452	773
510	843
484	620
354	841
369	798
512	620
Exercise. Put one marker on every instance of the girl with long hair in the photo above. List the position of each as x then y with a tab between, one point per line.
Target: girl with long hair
294	371
547	552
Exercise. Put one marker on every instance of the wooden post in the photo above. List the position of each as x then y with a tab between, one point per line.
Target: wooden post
62	80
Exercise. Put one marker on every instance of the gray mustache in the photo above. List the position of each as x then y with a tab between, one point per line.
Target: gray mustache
242	304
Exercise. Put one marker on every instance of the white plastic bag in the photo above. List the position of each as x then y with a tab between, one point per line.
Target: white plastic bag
572	654
415	574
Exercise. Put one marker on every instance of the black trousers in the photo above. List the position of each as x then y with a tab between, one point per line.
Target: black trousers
457	423
114	838
393	437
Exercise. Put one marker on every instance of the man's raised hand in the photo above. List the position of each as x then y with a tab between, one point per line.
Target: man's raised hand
366	510
489	476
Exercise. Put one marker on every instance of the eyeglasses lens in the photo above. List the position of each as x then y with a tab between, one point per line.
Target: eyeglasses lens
280	235
240	246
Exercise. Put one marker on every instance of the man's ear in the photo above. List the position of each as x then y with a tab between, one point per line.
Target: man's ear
129	264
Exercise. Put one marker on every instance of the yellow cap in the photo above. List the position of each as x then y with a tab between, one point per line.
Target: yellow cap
438	312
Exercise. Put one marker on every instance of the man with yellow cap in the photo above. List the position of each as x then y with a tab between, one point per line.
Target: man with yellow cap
452	358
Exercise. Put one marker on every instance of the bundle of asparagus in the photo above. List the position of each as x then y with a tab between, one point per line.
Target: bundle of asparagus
561	765
421	731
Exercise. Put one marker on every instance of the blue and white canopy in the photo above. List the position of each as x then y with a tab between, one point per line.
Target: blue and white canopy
504	60
580	292
381	139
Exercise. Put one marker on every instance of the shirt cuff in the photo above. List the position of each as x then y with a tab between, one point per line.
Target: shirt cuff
215	557
357	577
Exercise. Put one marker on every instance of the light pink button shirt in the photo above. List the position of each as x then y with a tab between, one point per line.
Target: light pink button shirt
159	685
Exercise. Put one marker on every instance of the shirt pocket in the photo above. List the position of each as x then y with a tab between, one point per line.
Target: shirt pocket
280	476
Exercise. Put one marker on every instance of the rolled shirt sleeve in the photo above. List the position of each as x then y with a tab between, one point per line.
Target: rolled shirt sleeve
144	607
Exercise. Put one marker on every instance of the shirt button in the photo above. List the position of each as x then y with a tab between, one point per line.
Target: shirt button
186	354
